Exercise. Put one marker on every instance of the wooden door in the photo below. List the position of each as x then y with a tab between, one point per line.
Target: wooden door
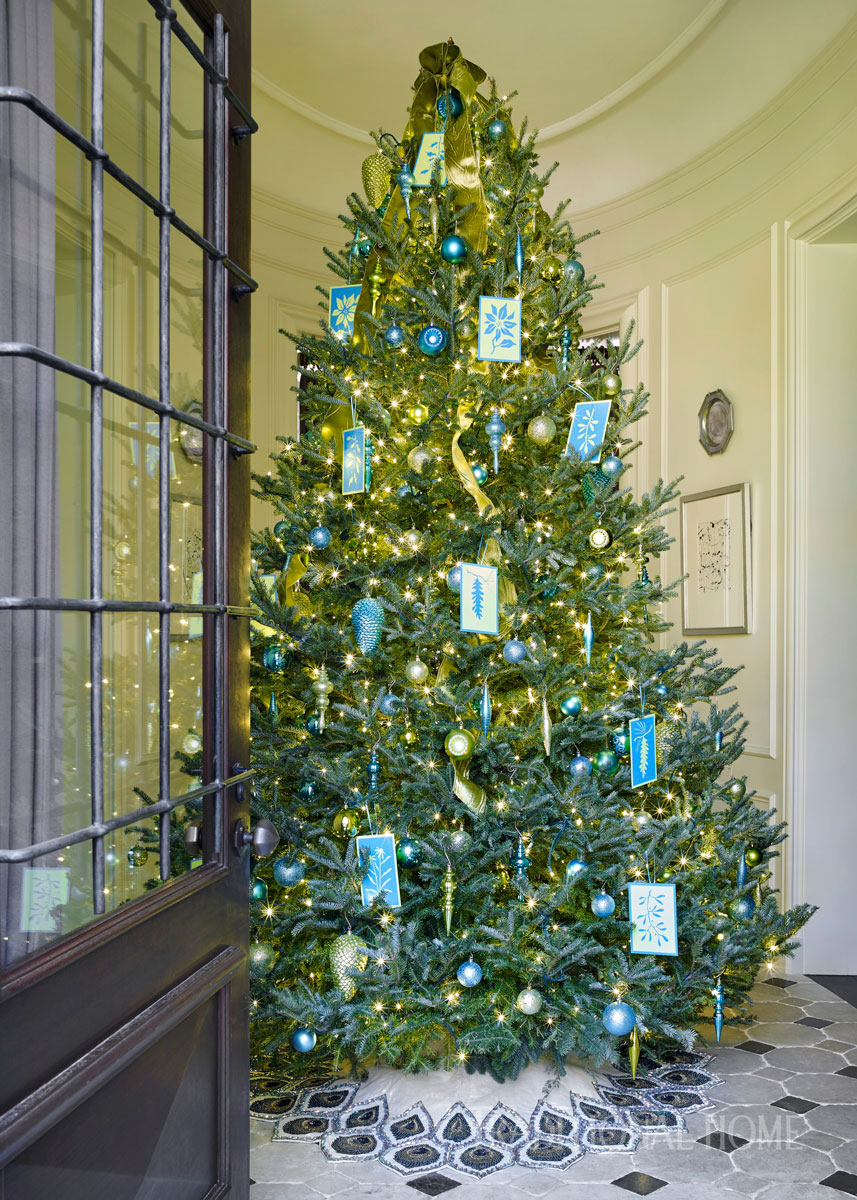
124	873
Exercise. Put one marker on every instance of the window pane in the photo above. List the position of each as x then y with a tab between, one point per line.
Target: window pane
187	130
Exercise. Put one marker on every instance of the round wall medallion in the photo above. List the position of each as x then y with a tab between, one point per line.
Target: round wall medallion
715	422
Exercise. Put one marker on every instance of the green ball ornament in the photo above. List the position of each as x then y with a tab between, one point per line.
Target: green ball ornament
606	762
752	856
570	706
480	473
529	1001
259	890
409	852
611	385
306	790
737	789
138	856
261	956
551	269
541	430
416	672
453	249
346	823
466	331
496	129
418	413
348	953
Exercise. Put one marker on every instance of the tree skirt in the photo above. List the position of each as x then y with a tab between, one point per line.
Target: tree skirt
407	1123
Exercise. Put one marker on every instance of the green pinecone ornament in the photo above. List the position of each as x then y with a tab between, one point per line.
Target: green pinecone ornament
376	178
348	953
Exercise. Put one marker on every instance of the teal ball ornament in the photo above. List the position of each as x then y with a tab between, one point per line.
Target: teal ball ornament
661	690
480	473
288	871
622	743
570	706
453	578
612	466
319	537
575	867
606	762
394	336
744	908
603	905
259	890
574	270
515	651
469	973
450	104
737	789
389	704
312	725
304	1040
367	617
496	129
580	766
306	790
409	852
611	385
453	249
281	529
431	339
619	1018
273	658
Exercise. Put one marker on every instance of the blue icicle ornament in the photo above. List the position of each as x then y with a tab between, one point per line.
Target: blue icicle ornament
367	617
588	638
495	429
718	1008
519	256
405	179
741	877
485	709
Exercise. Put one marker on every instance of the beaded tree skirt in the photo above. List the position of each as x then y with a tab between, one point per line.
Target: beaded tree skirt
407	1122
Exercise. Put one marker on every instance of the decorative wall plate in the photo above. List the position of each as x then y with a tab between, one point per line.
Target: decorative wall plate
716	422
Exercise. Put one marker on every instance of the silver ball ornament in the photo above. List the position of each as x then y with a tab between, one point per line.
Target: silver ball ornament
453	578
416	671
515	651
529	1002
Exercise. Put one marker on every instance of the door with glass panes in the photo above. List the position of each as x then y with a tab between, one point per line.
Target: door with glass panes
125	302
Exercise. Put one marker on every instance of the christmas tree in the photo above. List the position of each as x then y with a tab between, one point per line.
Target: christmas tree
510	818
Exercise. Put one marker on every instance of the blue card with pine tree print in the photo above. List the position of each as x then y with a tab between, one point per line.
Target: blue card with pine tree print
588	426
652	913
353	461
479	599
430	152
499	329
343	306
377	853
644	759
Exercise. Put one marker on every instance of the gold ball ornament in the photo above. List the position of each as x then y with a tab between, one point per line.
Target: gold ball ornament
551	269
541	430
416	671
417	413
420	459
346	823
611	385
409	737
348	953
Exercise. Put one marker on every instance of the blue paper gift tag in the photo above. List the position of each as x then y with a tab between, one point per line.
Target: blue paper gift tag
644	759
377	854
353	461
479	599
652	913
588	426
430	152
499	329
44	893
343	306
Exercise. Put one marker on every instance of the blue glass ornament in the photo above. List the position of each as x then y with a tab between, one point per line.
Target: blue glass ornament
496	129
319	537
612	466
453	249
574	270
394	336
388	704
618	1018
431	340
603	905
718	1008
364	247
606	762
570	706
515	651
273	658
405	179
519	255
288	871
575	867
495	429
741	876
450	104
588	638
520	862
312	725
273	711
580	766
367	617
661	689
403	490
304	1040
744	908
281	529
409	853
453	578
259	889
485	709
565	346
469	973
718	740
480	474
306	790
373	769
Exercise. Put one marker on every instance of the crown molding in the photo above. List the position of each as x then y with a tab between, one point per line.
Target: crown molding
308	112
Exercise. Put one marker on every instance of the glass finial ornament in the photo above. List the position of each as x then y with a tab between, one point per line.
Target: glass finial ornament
405	179
618	1018
433	219
495	429
431	339
603	905
319	537
565	348
485	709
480	474
273	658
611	385
570	706
288	871
388	704
304	1040
634	1050
529	1001
641	560
376	282
718	740
519	255
367	617
588	638
515	651
453	578
394	336
718	1008
575	868
416	671
450	105
453	249
469	974
541	430
348	953
496	129
409	852
448	894
520	862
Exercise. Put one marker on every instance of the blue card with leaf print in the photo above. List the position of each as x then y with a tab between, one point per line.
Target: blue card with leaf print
652	913
644	758
588	426
353	461
479	599
430	152
377	853
499	329
343	306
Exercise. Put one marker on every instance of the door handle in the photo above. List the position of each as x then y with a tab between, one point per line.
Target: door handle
263	840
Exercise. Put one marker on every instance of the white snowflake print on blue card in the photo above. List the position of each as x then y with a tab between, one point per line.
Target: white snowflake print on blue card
44	892
343	306
353	461
644	759
588	426
652	913
377	854
479	599
499	329
430	152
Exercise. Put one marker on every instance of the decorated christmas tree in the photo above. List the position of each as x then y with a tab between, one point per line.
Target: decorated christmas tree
511	821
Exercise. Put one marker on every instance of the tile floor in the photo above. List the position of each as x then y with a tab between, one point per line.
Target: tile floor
783	1127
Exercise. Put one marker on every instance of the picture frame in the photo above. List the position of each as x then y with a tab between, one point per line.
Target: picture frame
715	532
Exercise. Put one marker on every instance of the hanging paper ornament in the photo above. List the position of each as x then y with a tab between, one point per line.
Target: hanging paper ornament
718	1008
519	255
322	688
741	874
416	671
575	271
495	429
603	905
606	762
273	658
138	855
541	430
405	179
288	871
409	852
550	269
394	336
520	861
261	956
449	104
431	339
453	249
575	868
367	617
388	704
192	743
448	894
480	473
580	766
417	413
348	953
618	1018
485	709
469	973
346	823
611	466
419	459
737	789
304	1040
515	651
634	1051
600	538
570	706
588	638
258	890
376	177
496	129
453	578
752	856
529	1002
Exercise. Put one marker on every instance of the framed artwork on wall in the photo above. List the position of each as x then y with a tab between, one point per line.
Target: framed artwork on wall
715	561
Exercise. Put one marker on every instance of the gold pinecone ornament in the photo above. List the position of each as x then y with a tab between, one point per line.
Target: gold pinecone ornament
376	178
348	953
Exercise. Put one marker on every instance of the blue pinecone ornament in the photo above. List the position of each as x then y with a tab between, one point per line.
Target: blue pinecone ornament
367	617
